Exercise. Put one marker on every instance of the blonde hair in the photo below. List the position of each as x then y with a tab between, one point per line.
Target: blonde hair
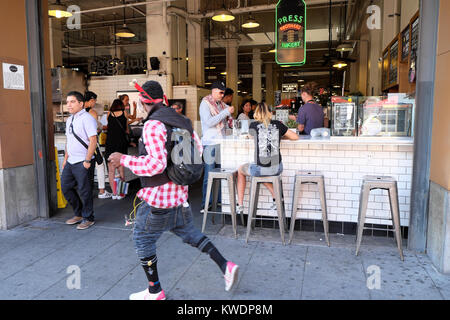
263	114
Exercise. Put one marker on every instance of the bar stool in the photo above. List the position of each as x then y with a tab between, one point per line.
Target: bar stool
309	177
254	194
384	183
214	178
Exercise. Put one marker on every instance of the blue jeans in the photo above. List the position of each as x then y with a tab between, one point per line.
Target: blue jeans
151	222
211	159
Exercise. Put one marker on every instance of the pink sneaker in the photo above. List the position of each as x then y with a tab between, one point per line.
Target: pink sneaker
231	275
146	295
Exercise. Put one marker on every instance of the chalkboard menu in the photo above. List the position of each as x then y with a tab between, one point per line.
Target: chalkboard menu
393	66
405	44
386	69
414	38
344	118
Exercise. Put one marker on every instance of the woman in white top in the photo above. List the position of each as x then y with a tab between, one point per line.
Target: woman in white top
245	110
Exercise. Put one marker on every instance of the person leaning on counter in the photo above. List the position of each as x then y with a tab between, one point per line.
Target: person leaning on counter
310	116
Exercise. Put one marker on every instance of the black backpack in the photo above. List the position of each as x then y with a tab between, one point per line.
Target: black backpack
184	161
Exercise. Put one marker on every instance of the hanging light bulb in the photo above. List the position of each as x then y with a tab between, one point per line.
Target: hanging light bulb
223	15
340	65
124	32
58	10
250	23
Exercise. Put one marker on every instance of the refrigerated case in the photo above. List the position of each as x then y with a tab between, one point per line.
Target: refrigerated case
381	116
391	115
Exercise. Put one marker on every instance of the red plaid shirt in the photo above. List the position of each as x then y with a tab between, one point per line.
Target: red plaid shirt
170	194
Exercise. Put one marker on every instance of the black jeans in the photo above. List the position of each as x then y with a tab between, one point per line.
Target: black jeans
75	178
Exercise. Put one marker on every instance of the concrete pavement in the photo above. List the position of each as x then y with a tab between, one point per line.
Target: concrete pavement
35	259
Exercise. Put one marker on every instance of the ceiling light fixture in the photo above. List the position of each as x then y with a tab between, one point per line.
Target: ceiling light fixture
124	32
223	73
273	50
223	15
250	23
210	68
340	65
345	47
58	10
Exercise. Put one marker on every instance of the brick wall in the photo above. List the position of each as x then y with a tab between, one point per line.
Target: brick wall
343	166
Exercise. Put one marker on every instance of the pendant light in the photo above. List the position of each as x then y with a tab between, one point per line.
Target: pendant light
95	58
124	32
250	23
339	65
223	15
58	10
344	47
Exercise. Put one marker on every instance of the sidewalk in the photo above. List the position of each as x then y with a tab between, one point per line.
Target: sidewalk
34	259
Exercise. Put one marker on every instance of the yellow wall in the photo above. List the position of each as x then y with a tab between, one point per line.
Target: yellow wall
440	147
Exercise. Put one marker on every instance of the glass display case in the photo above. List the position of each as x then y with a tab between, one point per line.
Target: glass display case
385	116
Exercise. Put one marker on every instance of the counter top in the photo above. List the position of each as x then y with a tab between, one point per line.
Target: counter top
335	140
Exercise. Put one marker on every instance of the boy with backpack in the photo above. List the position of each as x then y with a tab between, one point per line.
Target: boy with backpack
165	176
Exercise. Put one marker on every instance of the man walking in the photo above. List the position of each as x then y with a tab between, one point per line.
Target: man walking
78	166
165	204
215	117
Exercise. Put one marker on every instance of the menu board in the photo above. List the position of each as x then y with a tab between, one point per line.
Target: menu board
393	66
344	118
386	69
405	44
414	38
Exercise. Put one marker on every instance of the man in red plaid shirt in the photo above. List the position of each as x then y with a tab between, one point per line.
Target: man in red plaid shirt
165	204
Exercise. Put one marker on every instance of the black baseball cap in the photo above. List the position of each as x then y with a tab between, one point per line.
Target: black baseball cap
218	85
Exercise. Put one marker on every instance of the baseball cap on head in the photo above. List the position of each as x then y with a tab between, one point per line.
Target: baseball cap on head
218	85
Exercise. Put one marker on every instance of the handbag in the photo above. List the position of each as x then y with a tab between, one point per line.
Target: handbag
97	154
127	135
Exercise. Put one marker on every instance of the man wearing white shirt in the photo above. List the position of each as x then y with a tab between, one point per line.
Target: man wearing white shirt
215	117
78	168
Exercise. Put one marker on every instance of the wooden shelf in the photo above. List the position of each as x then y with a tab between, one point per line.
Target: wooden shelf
398	58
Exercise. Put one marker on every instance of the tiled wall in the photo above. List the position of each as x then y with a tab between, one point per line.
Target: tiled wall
343	166
106	87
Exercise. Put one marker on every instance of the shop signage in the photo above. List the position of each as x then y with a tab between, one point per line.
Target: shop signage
290	87
290	32
13	76
111	67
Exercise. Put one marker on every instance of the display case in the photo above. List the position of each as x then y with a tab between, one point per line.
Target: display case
385	116
343	116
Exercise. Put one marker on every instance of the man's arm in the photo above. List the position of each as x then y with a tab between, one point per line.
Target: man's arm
91	150
208	119
66	156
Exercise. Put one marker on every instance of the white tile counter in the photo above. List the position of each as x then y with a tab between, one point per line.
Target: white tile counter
343	161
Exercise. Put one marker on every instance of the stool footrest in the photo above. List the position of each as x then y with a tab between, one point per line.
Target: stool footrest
380	229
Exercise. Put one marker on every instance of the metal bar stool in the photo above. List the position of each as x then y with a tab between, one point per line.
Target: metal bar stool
254	194
214	178
309	177
384	183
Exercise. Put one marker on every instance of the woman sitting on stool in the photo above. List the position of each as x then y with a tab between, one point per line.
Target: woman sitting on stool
267	134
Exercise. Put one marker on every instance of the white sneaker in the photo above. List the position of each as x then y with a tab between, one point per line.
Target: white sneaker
239	209
146	295
231	275
105	195
117	197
